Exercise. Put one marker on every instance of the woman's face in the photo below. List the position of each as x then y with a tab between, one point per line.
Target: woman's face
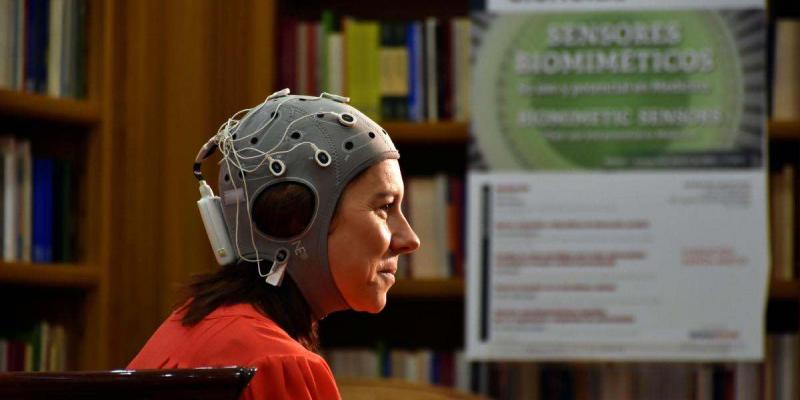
367	234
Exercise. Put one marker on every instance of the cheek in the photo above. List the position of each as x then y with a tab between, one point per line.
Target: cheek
355	250
364	240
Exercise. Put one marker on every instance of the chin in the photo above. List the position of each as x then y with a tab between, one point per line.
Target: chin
374	306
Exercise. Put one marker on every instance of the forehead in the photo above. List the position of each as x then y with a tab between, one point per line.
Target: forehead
383	176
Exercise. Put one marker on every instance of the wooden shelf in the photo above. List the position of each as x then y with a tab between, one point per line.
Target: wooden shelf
784	290
784	129
37	106
427	132
49	275
428	288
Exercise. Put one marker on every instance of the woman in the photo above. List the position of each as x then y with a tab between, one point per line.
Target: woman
311	191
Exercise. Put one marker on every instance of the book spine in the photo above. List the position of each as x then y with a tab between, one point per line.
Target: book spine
21	42
415	94
55	48
287	66
10	199
6	39
302	65
786	91
24	202
335	62
431	78
43	211
37	34
81	53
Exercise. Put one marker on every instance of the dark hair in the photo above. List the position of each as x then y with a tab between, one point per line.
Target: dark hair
280	210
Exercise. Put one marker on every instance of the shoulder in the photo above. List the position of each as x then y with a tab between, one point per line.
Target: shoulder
300	376
241	329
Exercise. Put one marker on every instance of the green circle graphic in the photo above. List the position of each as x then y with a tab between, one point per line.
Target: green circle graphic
529	115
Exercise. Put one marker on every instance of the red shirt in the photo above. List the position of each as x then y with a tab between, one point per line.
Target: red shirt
239	335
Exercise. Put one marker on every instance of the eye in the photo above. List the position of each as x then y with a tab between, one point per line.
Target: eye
386	208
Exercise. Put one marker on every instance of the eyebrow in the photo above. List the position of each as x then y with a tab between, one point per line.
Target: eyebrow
384	193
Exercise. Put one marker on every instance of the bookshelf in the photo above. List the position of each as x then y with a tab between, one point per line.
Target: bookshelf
428	132
428	288
49	275
413	140
41	107
207	69
786	130
72	294
784	290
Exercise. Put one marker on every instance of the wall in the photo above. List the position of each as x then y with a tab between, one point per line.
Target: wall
179	68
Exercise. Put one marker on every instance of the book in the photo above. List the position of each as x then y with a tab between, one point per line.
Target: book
746	381
428	217
64	212
784	365
302	64
461	68
287	75
444	56
309	67
393	71
10	198
416	89
7	56
3	355
786	90
431	78
20	40
81	52
335	73
455	226
36	25
55	48
363	65
24	200
782	212
42	243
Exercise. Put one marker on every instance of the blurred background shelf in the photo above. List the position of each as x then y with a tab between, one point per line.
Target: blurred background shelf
427	288
789	129
784	290
427	132
29	105
49	275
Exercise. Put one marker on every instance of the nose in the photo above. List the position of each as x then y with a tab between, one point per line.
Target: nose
404	239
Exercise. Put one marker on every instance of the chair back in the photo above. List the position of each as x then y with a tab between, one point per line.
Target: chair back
393	389
165	384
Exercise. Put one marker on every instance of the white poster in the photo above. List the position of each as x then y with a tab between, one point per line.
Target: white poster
633	266
617	196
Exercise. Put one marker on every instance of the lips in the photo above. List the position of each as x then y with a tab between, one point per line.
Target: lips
388	269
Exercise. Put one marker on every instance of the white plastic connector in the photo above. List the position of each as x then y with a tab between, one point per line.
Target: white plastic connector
275	276
277	167
322	157
335	97
280	93
347	119
210	207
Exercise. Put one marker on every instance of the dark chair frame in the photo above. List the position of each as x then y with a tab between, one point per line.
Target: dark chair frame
166	384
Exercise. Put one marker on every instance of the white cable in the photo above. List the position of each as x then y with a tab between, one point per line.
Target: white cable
227	146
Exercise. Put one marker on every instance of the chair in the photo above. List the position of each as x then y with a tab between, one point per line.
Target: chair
393	389
166	384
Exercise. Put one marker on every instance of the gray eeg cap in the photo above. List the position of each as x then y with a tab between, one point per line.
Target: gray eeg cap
303	133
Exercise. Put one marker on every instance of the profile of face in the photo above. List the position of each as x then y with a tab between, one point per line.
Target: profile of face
367	234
